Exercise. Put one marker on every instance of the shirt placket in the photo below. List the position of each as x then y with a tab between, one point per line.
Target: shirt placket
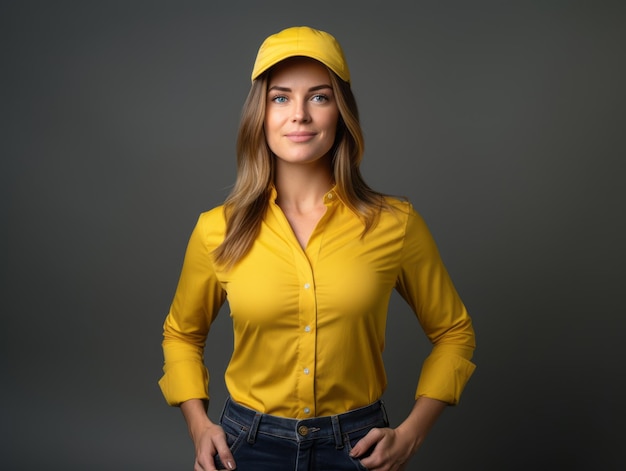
307	325
308	314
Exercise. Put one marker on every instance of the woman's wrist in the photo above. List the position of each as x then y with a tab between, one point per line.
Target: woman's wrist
195	413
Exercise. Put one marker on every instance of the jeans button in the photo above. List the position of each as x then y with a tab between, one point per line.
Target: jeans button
303	430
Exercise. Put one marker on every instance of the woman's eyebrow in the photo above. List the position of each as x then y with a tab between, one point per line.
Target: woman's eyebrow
287	89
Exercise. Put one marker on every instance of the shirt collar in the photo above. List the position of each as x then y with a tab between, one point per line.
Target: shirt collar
331	196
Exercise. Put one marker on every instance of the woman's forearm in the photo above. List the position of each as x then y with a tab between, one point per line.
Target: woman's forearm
421	419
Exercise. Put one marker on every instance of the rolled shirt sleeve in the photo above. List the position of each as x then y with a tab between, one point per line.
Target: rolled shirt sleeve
426	286
197	301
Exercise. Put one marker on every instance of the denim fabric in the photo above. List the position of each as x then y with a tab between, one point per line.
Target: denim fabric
261	442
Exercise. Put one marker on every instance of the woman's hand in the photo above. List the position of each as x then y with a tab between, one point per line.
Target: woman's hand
391	449
208	438
208	442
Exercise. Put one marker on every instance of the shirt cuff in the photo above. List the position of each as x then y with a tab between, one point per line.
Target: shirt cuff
444	377
183	381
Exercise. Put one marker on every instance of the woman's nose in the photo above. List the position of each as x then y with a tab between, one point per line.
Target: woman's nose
300	112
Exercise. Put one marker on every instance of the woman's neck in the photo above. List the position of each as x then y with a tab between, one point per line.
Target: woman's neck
302	187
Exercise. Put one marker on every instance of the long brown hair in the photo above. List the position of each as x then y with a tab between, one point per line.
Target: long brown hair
247	203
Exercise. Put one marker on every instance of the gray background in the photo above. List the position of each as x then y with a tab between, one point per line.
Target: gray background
503	122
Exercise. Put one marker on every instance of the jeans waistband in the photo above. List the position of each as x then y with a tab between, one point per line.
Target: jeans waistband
373	415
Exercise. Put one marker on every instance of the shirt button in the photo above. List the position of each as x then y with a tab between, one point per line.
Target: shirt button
307	410
330	196
306	371
307	328
307	285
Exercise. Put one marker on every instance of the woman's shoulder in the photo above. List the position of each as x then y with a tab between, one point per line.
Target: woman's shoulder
398	202
213	220
400	205
215	212
403	208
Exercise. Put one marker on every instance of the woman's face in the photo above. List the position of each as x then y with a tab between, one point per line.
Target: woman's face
301	112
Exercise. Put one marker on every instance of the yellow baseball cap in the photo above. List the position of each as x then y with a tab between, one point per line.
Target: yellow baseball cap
301	41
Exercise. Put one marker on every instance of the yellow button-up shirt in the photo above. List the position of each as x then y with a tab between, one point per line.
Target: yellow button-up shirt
309	325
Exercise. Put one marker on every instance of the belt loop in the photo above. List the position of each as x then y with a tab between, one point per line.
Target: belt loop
384	411
254	427
337	432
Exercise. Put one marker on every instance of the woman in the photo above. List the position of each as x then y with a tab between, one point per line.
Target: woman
307	256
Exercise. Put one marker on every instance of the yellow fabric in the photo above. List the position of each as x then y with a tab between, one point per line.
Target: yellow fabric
301	41
309	326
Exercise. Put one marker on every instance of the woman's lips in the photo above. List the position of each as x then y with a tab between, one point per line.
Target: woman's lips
300	136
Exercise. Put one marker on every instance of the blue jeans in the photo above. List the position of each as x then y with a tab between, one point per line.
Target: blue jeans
261	442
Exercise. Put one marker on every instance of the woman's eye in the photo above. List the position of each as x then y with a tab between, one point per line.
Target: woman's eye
320	98
279	99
